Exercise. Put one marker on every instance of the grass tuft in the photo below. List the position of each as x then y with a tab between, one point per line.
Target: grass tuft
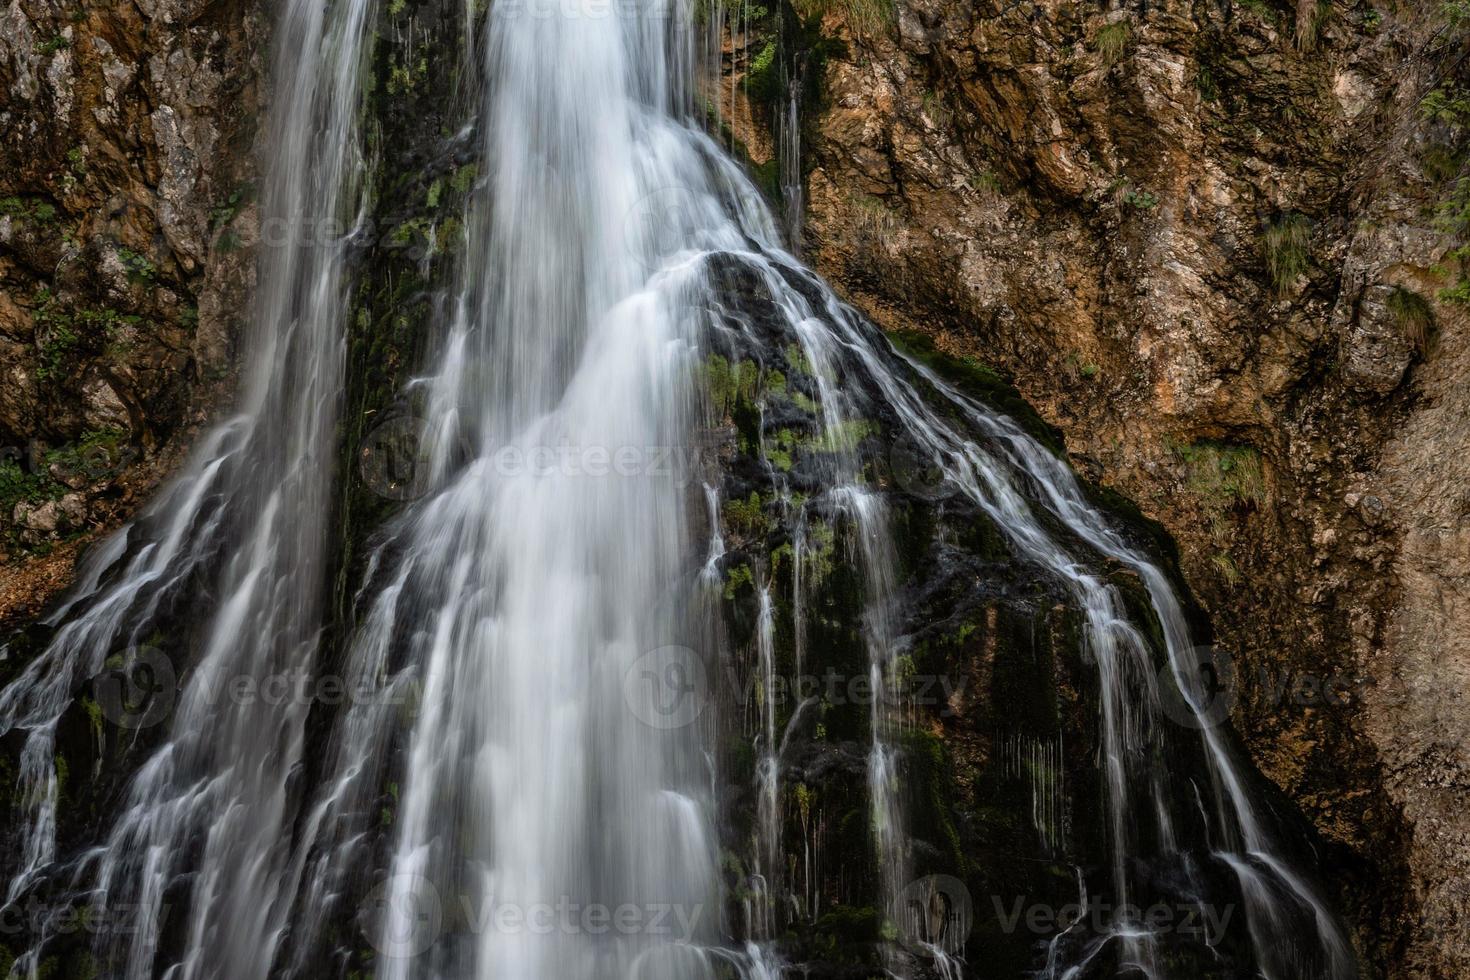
1112	42
1414	316
864	16
1285	243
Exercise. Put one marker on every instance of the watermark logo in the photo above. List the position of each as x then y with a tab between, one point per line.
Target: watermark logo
34	916
916	469
1203	922
1207	691
666	221
137	688
935	912
404	916
661	223
667	688
407	915
1213	684
394	459
670	687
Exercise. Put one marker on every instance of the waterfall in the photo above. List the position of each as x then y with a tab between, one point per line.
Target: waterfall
237	539
545	629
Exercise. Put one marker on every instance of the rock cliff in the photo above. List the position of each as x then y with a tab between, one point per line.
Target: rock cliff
1216	245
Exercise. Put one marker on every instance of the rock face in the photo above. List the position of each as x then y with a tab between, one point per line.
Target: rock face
1203	241
125	259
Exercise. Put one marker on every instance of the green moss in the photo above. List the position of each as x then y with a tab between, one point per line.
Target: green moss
762	80
747	518
730	385
94	716
739	578
796	360
845	436
463	179
53	44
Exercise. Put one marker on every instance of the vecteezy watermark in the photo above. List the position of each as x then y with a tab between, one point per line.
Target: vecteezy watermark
916	468
137	688
670	687
1205	922
935	912
407	914
33	916
395	460
1203	691
1212	685
665	221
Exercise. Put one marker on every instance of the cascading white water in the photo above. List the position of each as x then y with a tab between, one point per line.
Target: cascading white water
521	620
246	521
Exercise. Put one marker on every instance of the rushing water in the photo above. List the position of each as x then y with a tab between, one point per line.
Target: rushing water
522	624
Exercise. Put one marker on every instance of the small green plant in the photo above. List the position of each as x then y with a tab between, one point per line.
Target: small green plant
1285	245
1204	80
1111	42
225	212
54	351
1446	104
987	181
17	485
1141	199
139	268
1413	314
1372	19
1227	567
41	212
1260	8
936	110
57	42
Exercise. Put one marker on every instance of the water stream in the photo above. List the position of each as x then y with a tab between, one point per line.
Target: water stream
540	631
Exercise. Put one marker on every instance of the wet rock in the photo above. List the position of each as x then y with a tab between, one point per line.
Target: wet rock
1084	201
